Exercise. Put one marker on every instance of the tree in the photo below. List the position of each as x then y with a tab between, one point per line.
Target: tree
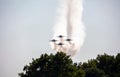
117	66
58	65
61	65
106	63
94	72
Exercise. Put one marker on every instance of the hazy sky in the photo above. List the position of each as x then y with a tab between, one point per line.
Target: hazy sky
26	27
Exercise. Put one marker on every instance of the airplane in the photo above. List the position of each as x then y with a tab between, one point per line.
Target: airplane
54	45
60	44
68	39
60	47
53	40
60	36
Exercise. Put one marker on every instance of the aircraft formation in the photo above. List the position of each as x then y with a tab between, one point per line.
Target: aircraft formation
61	43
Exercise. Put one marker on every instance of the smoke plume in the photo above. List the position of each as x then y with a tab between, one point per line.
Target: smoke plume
69	24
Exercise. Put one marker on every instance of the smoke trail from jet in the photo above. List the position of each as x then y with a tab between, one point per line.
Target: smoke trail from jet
60	21
69	24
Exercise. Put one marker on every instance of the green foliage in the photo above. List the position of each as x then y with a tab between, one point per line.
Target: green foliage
58	65
94	72
61	65
109	64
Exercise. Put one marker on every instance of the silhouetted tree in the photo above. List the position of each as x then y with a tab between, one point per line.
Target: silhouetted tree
108	64
58	65
117	66
94	72
61	65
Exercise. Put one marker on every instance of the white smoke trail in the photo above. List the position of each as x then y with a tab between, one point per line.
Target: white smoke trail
69	23
60	22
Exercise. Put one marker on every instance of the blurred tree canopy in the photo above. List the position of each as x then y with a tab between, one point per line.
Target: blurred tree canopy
61	65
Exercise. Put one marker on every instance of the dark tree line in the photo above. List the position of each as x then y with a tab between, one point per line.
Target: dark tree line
61	65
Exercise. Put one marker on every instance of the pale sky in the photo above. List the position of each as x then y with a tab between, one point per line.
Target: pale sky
26	28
